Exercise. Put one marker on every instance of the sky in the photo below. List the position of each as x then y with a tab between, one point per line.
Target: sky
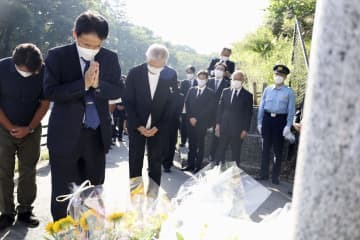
205	25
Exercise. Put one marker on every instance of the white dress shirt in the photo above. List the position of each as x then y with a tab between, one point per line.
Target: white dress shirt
217	83
153	82
201	90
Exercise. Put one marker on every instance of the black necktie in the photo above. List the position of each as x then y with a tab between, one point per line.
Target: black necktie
234	96
199	93
92	119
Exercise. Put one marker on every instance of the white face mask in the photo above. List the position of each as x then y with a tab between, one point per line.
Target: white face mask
278	79
189	76
236	84
218	73
224	58
201	82
23	74
154	70
86	53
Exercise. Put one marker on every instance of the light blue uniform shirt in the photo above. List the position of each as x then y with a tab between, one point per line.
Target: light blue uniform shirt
278	100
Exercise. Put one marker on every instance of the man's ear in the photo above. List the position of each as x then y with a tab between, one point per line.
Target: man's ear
74	35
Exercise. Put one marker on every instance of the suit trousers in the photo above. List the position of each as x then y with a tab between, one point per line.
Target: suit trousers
155	150
86	163
272	129
118	128
170	153
196	146
183	128
235	143
28	151
214	145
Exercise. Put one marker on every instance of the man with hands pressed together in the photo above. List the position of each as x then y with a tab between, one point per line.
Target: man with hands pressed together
80	79
275	118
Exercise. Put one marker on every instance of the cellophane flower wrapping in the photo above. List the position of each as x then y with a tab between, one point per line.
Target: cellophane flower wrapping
213	205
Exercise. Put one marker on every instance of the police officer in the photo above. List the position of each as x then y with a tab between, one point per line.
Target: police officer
275	117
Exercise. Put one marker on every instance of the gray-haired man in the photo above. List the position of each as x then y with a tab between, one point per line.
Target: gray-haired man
151	90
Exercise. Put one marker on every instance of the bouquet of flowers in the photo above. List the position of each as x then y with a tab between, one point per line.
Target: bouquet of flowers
88	220
86	215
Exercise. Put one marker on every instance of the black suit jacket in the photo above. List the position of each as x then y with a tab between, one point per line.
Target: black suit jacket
230	65
202	108
234	117
65	86
225	83
185	85
138	102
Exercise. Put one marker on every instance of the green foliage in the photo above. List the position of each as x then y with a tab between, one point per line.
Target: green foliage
259	52
281	11
48	23
272	44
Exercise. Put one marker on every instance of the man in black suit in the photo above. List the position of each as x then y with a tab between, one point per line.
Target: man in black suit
80	78
174	125
150	92
218	84
201	107
233	118
185	85
224	57
119	117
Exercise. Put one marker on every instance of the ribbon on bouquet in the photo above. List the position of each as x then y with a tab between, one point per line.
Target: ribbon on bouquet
75	194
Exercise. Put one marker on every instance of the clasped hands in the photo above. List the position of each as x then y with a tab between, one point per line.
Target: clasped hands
92	75
148	132
19	132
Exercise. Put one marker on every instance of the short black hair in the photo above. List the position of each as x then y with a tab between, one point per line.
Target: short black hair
91	22
226	49
191	68
221	63
28	55
202	72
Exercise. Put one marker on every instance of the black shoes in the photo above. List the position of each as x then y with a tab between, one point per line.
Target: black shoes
196	170
167	170
6	221
261	178
276	181
190	169
28	219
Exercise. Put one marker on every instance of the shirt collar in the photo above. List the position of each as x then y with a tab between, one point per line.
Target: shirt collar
281	87
201	88
233	89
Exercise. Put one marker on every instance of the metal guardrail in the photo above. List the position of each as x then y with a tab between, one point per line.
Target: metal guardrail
44	136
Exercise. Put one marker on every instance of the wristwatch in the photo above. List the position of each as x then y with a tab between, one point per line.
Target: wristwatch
31	130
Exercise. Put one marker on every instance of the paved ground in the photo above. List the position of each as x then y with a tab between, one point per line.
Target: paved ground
115	183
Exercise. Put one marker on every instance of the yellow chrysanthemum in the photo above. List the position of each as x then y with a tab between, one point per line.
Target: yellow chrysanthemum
66	222
116	216
139	190
163	217
49	228
56	227
83	223
84	218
